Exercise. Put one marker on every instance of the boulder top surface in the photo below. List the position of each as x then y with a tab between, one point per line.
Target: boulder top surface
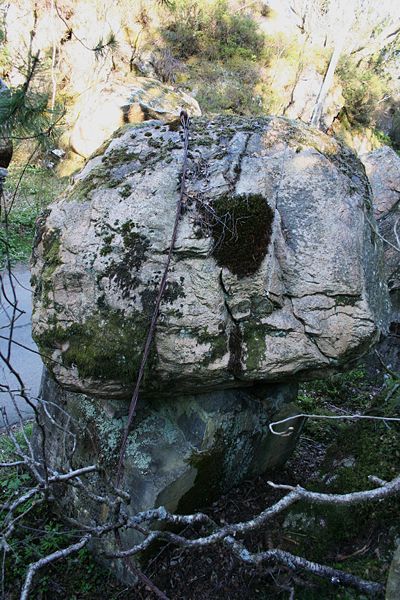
276	272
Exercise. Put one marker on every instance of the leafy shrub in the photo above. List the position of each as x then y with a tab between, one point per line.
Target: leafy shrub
227	88
362	90
37	188
212	31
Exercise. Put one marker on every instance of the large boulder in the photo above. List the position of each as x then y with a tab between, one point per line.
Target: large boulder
276	275
182	452
276	271
108	108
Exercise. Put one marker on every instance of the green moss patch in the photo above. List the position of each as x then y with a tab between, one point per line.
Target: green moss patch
357	538
241	228
107	346
218	345
235	350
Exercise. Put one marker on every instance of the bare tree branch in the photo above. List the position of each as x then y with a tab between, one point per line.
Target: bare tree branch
34	567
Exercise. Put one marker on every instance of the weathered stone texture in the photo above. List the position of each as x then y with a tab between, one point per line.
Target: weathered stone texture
182	452
306	298
383	169
106	109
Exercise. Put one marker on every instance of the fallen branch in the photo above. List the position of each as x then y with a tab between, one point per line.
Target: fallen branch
50	558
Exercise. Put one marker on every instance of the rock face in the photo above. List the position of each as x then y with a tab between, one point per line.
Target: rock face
276	270
109	108
182	451
383	169
305	95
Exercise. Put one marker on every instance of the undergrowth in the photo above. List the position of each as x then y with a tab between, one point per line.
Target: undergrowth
40	532
359	539
38	187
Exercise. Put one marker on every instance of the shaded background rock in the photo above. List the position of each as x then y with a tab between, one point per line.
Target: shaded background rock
383	169
276	271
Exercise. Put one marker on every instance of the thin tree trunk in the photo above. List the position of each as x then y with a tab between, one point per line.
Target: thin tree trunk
315	120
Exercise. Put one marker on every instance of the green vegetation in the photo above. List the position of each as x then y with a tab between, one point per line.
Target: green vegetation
213	31
227	88
357	539
116	358
225	53
360	538
41	533
223	50
36	189
363	88
234	63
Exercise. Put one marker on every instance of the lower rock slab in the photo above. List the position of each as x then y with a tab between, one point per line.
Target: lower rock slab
182	452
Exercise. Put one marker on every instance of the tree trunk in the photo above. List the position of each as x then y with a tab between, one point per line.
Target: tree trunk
326	84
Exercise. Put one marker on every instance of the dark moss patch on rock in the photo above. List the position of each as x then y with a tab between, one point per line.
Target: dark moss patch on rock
125	191
173	291
119	156
241	228
218	345
83	188
235	344
148	297
107	248
51	248
346	300
50	239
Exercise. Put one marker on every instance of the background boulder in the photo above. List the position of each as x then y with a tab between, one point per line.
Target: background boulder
383	169
103	111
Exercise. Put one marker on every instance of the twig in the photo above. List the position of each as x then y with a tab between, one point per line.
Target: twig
296	563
